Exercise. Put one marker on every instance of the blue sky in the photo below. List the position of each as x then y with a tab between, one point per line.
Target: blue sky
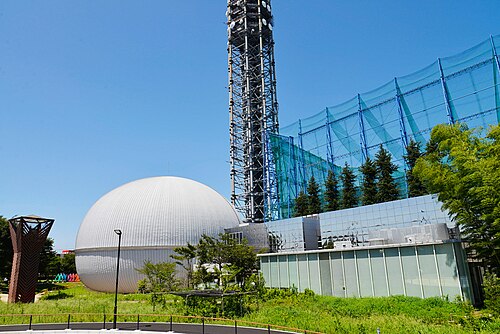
95	94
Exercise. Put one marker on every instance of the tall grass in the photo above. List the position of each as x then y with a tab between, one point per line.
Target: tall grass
395	314
75	298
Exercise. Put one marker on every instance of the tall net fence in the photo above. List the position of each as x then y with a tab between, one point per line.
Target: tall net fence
462	88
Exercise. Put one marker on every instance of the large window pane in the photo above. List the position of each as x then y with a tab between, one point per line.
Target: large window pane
448	270
378	272
274	282
292	271
462	270
325	275
303	272
428	272
394	271
351	279
338	274
264	267
314	273
410	271
365	280
283	271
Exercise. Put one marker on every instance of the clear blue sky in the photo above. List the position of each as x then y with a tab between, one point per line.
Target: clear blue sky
95	94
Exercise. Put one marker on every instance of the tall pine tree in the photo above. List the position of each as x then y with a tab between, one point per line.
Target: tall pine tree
387	189
301	205
415	186
349	196
369	183
332	194
313	196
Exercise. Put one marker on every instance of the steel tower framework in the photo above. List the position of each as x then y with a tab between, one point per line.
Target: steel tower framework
253	108
28	234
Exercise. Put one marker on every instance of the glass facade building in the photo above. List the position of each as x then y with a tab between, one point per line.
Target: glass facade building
423	270
293	234
361	223
406	247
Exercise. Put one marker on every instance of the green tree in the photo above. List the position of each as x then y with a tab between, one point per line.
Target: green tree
332	193
68	265
415	186
369	182
349	196
224	260
241	259
387	189
301	205
50	262
184	258
464	170
159	280
6	252
313	199
210	253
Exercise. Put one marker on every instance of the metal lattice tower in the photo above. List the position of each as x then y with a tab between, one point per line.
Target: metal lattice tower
28	234
253	108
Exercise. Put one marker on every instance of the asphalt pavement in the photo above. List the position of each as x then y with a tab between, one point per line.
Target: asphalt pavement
152	327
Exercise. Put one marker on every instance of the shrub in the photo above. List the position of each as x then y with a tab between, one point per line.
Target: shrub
491	286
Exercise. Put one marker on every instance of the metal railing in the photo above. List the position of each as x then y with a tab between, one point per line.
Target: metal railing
150	322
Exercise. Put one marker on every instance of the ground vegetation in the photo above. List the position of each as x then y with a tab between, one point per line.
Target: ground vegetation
290	308
159	279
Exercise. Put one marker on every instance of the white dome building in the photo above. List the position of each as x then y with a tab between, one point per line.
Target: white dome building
155	215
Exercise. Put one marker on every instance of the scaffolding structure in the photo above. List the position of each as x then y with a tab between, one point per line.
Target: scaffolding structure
253	108
462	88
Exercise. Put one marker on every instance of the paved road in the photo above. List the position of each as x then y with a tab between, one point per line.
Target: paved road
153	326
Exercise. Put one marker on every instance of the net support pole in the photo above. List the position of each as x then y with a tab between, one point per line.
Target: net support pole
362	137
292	164
402	128
495	55
302	168
497	62
449	111
329	147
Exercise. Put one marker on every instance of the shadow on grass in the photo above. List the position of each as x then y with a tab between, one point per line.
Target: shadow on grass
47	285
40	286
57	296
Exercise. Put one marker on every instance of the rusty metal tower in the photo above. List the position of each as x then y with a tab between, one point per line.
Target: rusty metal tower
28	234
253	108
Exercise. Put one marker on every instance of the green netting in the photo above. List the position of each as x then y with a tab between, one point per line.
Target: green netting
466	90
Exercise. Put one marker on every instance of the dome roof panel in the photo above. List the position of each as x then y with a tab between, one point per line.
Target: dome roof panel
158	211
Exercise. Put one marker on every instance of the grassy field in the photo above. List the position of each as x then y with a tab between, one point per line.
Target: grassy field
306	311
364	315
